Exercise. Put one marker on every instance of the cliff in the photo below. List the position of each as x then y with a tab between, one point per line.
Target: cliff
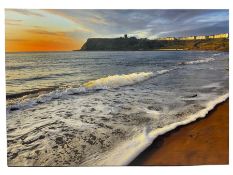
134	44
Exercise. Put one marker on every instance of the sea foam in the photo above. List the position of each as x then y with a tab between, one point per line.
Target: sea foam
128	151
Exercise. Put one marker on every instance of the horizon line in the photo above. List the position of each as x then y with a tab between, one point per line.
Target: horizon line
111	38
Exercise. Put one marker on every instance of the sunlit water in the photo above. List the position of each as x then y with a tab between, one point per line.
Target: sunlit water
104	108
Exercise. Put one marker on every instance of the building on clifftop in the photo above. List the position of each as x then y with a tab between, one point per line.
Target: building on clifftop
167	38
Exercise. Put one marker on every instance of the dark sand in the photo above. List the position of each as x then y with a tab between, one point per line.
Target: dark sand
204	142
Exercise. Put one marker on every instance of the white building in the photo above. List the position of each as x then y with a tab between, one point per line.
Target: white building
167	38
200	37
222	35
187	38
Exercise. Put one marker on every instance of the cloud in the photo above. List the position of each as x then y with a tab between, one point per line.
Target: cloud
45	32
76	25
26	12
68	35
221	27
72	18
16	40
78	16
146	23
13	22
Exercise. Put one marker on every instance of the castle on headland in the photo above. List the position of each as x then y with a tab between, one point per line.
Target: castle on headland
218	42
200	37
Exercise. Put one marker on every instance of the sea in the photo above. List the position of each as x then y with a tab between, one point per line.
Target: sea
87	108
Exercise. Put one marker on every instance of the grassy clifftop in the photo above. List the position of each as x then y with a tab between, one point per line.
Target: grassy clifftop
127	44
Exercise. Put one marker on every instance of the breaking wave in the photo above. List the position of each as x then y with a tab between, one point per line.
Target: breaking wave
113	81
119	80
197	61
128	151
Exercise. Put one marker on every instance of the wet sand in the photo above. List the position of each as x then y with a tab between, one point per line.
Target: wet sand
203	142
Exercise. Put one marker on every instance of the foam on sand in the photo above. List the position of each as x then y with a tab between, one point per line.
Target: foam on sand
128	151
119	80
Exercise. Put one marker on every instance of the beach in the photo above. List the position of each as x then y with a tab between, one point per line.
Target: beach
105	108
121	87
203	142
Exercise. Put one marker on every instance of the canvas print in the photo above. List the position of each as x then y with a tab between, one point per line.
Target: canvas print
117	87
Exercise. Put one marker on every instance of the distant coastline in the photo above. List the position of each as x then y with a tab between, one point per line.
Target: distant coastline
219	42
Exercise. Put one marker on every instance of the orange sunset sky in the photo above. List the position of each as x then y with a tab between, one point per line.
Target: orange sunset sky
65	30
42	30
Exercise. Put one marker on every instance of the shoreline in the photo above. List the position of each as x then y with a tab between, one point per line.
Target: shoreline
164	50
52	51
203	142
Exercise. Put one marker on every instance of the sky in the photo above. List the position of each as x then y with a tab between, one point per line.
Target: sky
63	30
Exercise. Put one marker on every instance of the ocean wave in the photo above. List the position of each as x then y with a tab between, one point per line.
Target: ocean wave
128	151
119	80
49	76
29	99
115	81
206	60
164	71
30	102
36	91
18	67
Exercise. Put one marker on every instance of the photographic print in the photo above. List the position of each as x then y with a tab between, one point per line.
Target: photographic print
107	87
